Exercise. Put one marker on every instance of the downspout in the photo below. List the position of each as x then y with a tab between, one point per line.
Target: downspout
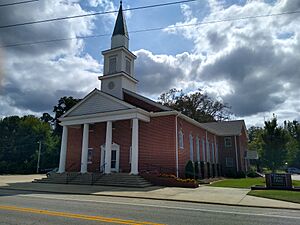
176	133
236	155
206	148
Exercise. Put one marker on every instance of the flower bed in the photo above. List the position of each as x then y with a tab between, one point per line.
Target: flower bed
169	180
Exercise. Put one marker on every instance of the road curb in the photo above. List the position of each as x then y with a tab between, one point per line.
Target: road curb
151	198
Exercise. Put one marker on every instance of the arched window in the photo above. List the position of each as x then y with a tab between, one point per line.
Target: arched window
191	147
203	150
180	138
198	148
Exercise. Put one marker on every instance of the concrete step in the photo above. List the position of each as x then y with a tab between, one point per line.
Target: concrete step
116	179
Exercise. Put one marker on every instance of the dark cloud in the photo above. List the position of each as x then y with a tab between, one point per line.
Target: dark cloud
216	40
155	73
40	32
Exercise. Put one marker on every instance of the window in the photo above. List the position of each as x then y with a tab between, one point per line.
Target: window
112	64
213	152
128	66
207	152
203	150
227	142
198	148
229	162
217	154
90	155
191	147
180	139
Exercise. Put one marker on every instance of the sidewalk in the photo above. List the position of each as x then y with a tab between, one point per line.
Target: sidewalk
203	194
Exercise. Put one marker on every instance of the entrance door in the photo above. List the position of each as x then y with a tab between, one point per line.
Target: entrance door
115	157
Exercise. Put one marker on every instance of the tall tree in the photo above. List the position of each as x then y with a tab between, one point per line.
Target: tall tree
19	143
274	145
293	129
198	105
64	104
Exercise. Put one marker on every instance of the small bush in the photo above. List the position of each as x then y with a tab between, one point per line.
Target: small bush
240	174
252	172
230	174
197	170
189	170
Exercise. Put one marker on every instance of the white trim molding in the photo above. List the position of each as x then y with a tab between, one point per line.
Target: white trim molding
107	116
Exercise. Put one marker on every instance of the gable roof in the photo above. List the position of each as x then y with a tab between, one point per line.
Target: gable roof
97	102
226	128
143	102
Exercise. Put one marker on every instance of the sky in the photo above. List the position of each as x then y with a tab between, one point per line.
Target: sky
251	64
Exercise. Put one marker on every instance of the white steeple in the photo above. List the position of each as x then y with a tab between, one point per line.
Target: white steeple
118	71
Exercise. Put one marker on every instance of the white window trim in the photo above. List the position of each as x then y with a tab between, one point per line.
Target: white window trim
191	142
229	162
181	139
90	160
203	150
198	148
225	142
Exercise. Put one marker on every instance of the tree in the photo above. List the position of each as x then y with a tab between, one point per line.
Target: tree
64	104
198	105
274	145
293	146
19	144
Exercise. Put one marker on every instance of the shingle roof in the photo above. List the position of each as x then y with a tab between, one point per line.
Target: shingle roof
143	102
226	128
120	26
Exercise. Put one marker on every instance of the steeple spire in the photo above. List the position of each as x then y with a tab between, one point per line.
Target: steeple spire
120	33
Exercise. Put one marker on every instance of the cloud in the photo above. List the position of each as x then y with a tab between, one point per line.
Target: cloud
36	76
159	73
257	58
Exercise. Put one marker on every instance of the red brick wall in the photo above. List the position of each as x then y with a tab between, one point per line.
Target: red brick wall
157	143
184	154
73	159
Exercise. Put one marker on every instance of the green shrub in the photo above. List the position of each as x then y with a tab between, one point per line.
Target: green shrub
252	172
189	170
230	173
197	170
240	174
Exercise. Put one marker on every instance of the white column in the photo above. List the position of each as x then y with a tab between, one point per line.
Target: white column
135	146
84	149
108	142
63	150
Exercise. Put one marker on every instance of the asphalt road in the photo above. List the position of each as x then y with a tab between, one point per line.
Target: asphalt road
21	207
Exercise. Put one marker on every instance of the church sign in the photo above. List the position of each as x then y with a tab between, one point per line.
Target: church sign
279	181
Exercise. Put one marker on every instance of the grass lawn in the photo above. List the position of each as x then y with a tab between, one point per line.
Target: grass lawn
291	196
244	182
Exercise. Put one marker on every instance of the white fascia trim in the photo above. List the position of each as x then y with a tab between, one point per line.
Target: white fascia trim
117	49
108	116
100	93
118	75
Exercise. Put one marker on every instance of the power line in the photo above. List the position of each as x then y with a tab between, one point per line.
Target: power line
151	29
96	14
18	3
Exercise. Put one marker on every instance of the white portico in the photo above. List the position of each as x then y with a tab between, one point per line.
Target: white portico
107	105
100	107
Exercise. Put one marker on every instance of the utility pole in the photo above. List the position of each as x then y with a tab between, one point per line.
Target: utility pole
39	157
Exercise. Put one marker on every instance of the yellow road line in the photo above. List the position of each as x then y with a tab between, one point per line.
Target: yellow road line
76	216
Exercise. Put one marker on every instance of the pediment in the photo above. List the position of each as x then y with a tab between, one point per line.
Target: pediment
97	102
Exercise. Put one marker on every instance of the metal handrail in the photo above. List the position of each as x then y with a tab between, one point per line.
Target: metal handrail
101	171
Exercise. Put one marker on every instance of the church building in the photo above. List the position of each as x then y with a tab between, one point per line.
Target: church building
117	130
